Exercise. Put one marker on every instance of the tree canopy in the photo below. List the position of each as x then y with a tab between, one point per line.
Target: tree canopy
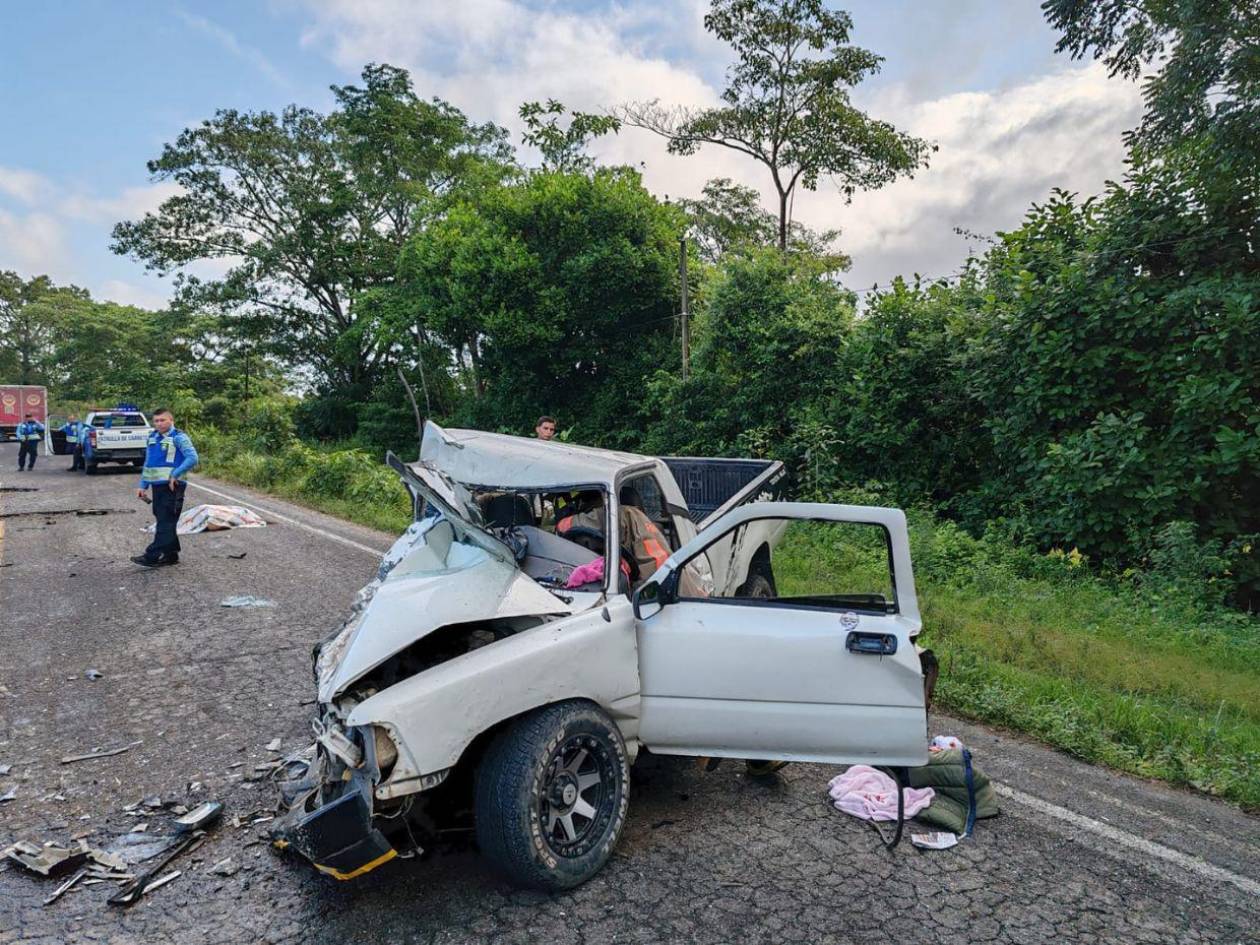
787	105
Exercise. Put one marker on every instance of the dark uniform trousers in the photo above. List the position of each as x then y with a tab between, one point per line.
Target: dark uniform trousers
77	462
29	448
167	507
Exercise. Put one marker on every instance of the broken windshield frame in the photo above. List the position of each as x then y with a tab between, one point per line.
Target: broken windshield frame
447	496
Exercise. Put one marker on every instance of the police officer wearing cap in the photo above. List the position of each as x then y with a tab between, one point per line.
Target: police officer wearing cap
29	432
168	457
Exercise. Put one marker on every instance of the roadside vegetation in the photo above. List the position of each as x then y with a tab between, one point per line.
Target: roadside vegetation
1073	417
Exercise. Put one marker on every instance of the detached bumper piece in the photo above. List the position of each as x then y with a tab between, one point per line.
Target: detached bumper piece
338	838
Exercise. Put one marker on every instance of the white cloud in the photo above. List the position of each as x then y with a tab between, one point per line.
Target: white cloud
228	40
131	203
24	186
127	293
1000	150
33	244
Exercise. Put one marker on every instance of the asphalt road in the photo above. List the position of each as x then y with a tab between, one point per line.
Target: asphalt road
199	690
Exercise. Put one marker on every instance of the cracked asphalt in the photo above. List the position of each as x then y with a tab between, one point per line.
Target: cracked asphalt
705	857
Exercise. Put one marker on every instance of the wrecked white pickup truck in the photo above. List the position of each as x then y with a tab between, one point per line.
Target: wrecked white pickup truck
497	677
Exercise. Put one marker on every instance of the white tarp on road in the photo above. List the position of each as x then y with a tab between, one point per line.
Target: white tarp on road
214	518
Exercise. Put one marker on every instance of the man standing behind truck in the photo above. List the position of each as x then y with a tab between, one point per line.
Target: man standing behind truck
169	455
29	432
76	433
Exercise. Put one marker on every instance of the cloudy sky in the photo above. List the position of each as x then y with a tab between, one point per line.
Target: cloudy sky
90	90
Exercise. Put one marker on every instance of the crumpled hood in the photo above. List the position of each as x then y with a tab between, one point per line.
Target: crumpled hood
428	579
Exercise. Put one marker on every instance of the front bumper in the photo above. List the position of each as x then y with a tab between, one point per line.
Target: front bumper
337	837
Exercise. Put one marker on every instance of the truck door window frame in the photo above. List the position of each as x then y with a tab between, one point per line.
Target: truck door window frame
891	607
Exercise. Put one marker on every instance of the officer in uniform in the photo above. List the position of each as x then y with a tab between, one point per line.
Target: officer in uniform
168	457
76	433
29	432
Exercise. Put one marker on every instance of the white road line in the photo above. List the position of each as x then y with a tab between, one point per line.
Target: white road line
270	513
1148	847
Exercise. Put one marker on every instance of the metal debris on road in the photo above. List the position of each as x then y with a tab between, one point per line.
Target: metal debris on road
160	882
200	817
140	828
5	769
131	893
9	795
246	600
273	745
65	887
94	674
237	557
70	759
49	860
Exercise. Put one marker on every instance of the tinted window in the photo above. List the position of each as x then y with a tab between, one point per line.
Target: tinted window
110	420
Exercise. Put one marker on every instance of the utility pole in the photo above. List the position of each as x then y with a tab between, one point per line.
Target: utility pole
686	330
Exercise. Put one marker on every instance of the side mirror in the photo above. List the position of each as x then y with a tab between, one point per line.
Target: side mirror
647	601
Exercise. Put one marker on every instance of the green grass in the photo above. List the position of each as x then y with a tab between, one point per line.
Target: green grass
1115	676
349	484
1143	681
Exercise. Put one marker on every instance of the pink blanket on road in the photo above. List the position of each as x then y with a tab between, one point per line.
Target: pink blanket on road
872	795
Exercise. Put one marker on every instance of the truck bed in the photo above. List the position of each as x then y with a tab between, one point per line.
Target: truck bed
712	486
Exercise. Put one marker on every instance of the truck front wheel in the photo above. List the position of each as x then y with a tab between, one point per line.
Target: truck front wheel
552	794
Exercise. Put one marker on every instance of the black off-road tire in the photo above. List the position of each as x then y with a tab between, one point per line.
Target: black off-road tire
520	779
757	585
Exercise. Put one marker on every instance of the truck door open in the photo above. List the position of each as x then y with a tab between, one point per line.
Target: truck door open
815	662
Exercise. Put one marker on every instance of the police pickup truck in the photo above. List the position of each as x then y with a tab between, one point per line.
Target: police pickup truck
115	436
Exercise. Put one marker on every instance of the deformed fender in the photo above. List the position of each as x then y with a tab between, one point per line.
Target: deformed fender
437	713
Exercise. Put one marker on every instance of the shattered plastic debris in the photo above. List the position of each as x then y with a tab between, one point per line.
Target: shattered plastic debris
5	769
246	601
200	817
274	745
215	518
94	674
941	840
65	887
46	861
9	795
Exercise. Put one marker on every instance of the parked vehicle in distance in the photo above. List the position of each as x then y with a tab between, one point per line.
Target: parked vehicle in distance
16	401
497	675
119	435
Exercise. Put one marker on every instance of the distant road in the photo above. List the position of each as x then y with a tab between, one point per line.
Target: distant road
1078	854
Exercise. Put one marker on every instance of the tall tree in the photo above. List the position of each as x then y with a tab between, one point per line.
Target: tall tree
559	292
786	103
309	212
563	149
28	329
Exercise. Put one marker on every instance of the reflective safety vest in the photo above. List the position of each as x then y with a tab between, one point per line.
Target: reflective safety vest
71	430
30	430
167	456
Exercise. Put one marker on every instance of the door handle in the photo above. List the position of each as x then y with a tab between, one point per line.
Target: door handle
878	644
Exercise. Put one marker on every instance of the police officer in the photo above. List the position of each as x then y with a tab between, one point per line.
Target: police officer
168	457
29	432
75	433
